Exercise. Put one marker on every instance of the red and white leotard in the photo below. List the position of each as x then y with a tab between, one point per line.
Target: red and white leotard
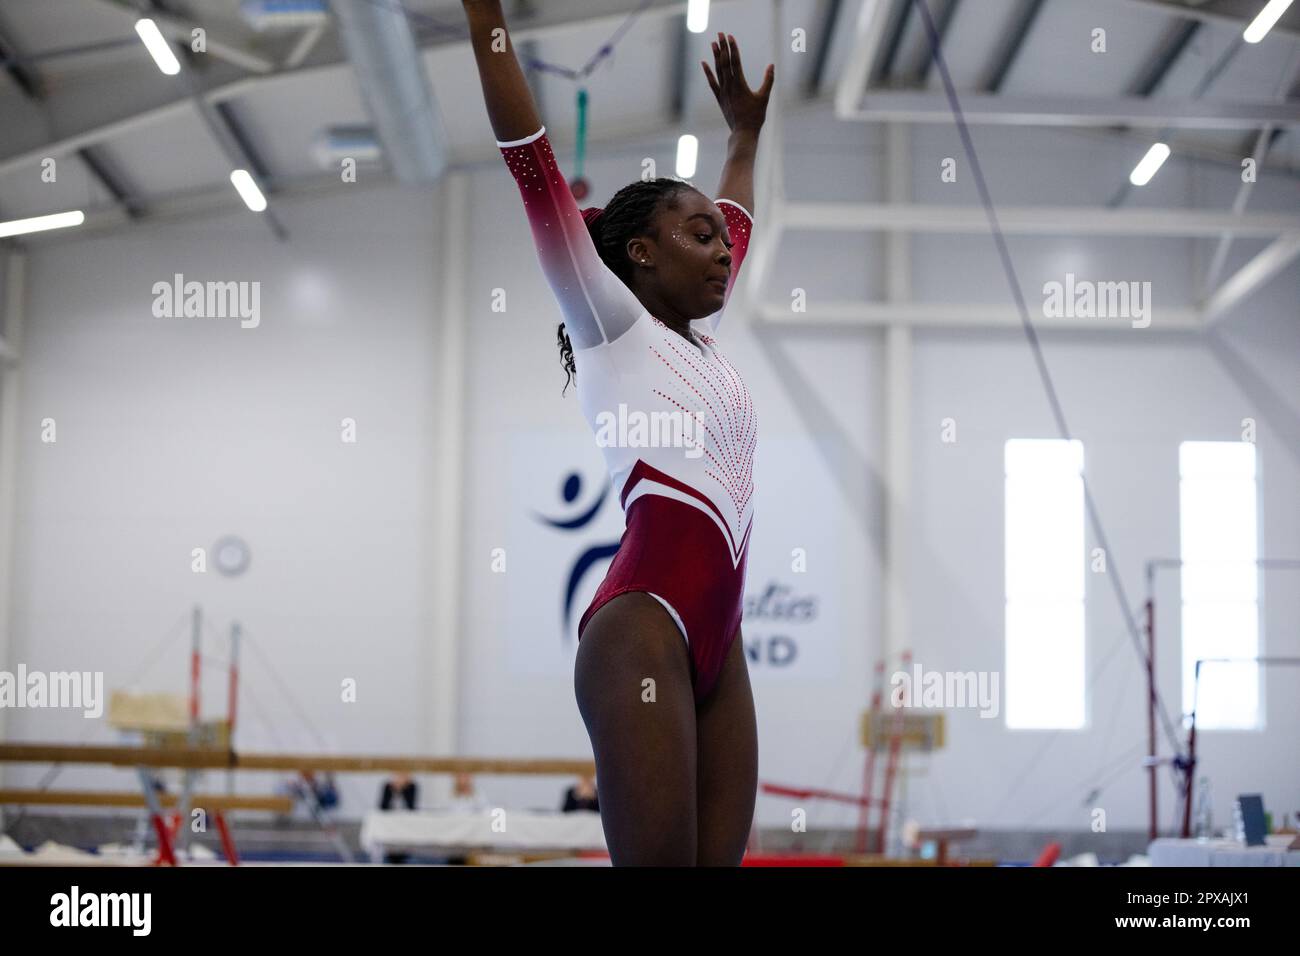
688	510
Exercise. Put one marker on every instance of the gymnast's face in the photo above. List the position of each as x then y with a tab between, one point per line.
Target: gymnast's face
686	261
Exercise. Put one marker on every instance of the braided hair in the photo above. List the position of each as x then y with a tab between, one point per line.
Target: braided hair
629	214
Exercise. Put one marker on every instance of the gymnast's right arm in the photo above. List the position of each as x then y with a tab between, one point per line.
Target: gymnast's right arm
597	306
509	100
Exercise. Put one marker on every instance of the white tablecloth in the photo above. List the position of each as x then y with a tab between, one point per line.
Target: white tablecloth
1170	852
389	830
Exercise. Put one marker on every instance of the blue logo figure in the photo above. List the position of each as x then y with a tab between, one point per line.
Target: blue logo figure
570	491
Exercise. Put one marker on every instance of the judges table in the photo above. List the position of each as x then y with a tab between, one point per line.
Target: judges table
1170	852
389	831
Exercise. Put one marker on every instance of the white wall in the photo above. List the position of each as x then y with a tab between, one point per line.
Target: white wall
172	432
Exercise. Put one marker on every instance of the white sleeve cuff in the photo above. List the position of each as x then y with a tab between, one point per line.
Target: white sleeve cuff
526	140
738	206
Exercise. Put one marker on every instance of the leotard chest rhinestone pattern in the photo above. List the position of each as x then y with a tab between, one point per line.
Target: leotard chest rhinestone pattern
674	420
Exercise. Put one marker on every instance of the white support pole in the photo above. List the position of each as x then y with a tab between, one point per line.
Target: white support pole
449	455
1275	257
898	404
11	324
769	185
1239	201
1002	110
232	696
776	110
196	670
306	43
868	34
1031	220
897	636
189	779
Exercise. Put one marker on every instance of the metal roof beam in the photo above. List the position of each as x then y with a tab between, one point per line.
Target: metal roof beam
558	19
1172	8
1172	47
942	21
28	81
986	108
1022	22
1031	220
821	56
897	27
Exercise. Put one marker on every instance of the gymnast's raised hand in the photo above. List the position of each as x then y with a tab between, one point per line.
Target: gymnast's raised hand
743	109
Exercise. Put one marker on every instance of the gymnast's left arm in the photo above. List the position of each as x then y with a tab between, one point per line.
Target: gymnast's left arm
745	111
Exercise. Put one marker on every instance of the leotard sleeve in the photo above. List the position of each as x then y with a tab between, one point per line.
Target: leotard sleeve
596	305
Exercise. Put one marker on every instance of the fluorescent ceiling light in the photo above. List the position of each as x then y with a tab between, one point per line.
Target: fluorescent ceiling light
697	16
157	46
1264	20
1151	162
18	227
688	151
248	190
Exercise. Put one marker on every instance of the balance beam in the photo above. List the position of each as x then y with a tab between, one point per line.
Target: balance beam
198	758
201	758
113	798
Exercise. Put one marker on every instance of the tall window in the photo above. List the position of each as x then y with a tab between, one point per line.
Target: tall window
1220	580
1045	567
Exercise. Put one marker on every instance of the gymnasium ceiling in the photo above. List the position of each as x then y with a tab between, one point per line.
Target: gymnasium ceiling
77	84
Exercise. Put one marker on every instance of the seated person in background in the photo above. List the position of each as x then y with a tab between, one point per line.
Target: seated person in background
399	787
327	791
322	790
464	798
310	794
582	796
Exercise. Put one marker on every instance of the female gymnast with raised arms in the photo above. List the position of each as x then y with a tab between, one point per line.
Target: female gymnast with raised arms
660	677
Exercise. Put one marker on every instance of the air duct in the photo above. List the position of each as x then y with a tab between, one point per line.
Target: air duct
381	47
336	143
284	14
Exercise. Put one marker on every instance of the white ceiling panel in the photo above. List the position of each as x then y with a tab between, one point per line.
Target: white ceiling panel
36	26
974	40
1057	59
283	118
283	115
24	193
176	155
